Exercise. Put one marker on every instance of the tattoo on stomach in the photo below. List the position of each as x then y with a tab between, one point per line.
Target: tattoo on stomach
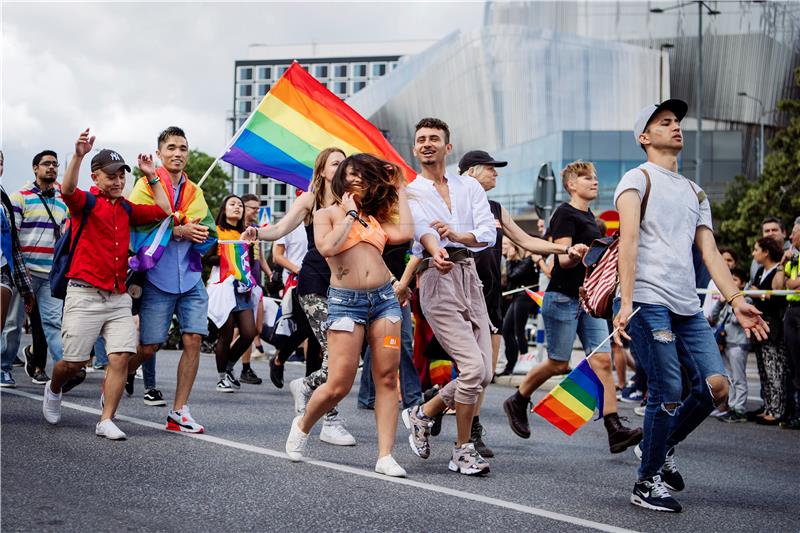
341	272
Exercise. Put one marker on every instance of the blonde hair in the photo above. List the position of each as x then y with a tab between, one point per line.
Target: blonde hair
475	170
317	186
575	169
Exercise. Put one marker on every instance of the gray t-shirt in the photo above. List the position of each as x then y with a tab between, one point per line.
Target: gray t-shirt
664	267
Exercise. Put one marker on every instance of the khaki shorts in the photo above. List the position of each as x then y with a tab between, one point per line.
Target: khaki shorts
90	313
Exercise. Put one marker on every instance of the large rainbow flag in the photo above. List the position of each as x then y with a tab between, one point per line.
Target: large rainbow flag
296	120
572	402
234	261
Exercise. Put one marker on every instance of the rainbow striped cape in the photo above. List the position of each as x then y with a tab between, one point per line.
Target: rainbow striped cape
295	121
572	402
149	241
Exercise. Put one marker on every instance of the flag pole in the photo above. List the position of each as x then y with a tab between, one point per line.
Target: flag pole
611	335
513	291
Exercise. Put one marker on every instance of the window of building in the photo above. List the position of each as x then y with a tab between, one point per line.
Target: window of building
263	189
340	71
279	189
358	85
245	73
282	70
360	70
245	106
263	88
378	69
265	73
340	88
242	188
245	90
393	65
278	206
320	71
240	122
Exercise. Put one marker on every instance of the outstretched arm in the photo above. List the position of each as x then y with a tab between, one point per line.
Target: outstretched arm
403	230
83	146
536	244
299	210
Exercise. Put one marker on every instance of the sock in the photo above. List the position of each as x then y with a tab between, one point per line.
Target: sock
245	367
222	375
476	419
230	366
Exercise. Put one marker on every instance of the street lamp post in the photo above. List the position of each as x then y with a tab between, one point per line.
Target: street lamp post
665	46
701	6
761	130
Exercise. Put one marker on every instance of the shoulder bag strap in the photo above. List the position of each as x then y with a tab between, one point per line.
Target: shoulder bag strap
56	225
646	196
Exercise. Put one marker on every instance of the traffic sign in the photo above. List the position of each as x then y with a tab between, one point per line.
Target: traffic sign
611	218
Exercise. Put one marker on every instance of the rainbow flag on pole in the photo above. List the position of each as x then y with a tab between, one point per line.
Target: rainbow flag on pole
296	120
537	297
572	402
234	261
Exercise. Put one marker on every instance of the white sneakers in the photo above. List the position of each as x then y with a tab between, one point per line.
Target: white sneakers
301	394
334	432
106	428
51	405
296	442
388	466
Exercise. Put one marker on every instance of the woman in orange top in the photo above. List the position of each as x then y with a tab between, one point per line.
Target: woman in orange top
370	210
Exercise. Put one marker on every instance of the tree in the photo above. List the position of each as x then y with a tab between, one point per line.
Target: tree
216	186
775	193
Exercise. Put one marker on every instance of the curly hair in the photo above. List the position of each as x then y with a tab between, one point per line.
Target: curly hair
379	178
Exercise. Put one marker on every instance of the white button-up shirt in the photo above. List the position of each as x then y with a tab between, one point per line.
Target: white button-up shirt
470	211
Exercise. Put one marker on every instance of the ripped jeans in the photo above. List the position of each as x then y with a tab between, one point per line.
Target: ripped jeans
662	342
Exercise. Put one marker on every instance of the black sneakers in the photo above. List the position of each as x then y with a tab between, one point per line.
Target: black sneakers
651	493
250	377
276	373
129	384
154	397
39	377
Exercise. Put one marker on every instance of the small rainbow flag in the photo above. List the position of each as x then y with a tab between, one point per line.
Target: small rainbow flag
441	372
234	261
296	120
572	402
537	297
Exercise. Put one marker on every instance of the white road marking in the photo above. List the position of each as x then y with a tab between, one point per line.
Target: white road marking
599	526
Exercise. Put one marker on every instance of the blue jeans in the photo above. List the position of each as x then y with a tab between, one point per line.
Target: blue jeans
564	318
100	354
663	343
157	307
347	307
50	309
13	330
409	380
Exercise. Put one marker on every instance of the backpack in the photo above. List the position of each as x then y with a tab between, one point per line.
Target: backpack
601	261
65	249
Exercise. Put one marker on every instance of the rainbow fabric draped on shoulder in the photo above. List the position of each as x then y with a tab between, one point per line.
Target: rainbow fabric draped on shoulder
149	241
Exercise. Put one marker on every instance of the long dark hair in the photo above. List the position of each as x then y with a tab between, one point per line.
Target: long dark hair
379	179
222	220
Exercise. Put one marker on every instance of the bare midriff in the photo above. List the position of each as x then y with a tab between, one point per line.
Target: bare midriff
359	268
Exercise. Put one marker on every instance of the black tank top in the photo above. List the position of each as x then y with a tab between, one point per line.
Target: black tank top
487	262
315	275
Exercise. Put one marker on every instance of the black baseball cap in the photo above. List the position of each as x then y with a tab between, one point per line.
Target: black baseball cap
478	157
679	107
109	162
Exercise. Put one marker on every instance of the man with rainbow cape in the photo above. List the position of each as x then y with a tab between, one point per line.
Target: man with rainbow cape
169	254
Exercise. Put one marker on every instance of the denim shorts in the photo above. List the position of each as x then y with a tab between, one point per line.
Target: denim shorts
563	319
347	307
244	300
157	308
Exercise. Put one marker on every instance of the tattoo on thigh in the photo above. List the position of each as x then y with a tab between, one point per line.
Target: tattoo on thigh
341	272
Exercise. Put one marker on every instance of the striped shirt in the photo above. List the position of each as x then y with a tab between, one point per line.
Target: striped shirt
37	233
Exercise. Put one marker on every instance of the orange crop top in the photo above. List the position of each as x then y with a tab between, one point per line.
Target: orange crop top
372	234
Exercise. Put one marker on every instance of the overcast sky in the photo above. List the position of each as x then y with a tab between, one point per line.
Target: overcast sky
127	70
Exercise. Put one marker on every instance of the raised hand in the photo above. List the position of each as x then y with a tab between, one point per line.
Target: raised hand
84	144
348	202
146	164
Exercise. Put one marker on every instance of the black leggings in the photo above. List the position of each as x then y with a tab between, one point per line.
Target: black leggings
514	328
227	353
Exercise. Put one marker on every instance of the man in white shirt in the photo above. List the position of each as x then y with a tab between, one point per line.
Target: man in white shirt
669	333
451	221
290	250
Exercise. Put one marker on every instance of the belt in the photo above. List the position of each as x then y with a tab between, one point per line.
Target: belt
456	255
81	284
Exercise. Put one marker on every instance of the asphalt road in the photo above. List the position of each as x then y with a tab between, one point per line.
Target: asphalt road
740	477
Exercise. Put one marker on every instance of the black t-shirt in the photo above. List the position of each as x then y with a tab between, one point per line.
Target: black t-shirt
315	274
581	226
394	255
487	261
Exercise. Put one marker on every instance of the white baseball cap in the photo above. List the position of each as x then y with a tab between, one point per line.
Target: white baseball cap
679	107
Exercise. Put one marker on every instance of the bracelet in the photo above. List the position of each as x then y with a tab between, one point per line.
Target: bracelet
352	213
154	181
733	296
